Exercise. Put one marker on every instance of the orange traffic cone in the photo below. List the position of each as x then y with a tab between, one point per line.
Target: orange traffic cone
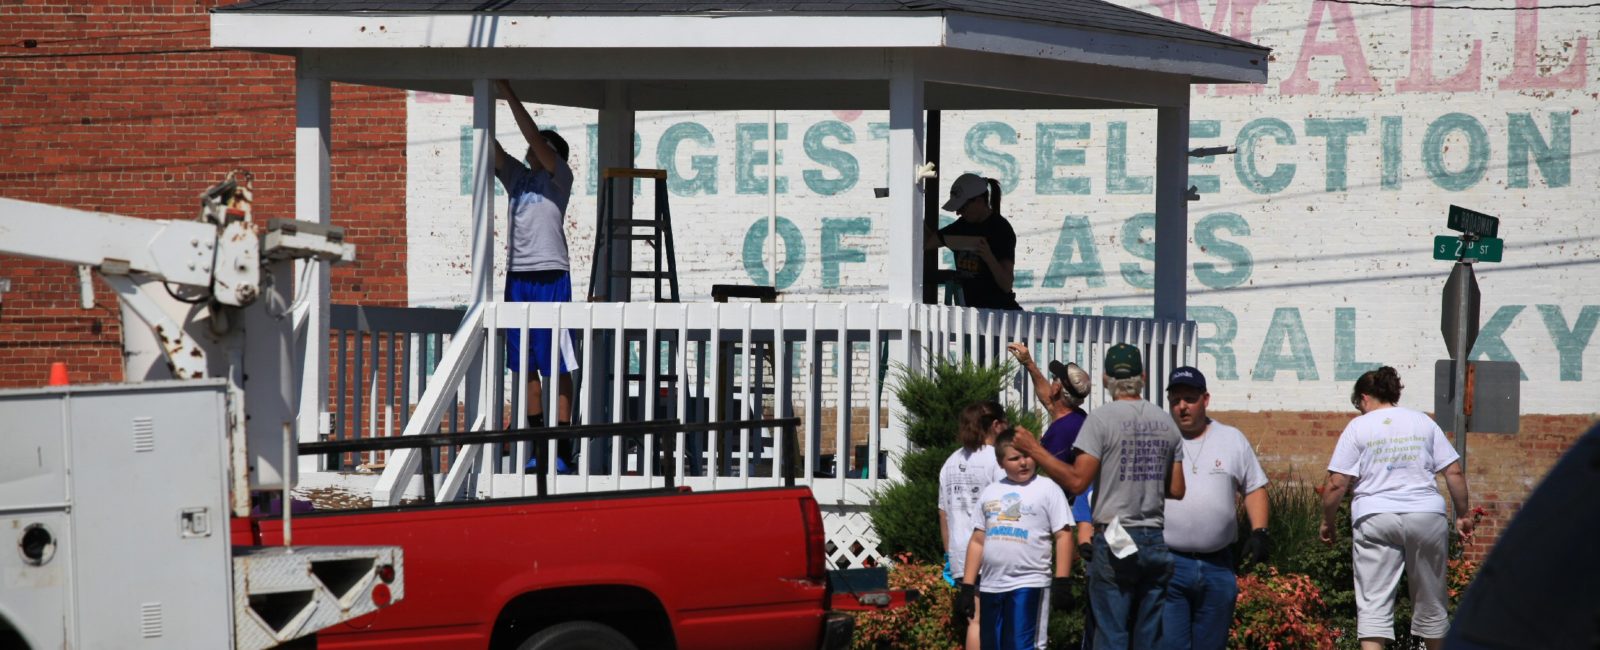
58	374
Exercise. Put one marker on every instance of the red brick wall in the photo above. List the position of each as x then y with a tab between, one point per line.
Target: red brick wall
1501	469
120	106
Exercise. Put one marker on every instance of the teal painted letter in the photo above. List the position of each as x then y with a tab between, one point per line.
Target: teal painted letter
1345	366
1240	262
1244	162
467	154
1138	245
1491	343
1004	165
1075	234
834	253
1392	155
1433	146
848	170
755	253
1220	343
1554	157
1204	183
1050	157
1570	343
1337	131
1286	330
704	180
746	157
1117	179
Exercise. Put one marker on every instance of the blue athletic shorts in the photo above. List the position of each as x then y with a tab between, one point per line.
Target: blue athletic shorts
1014	620
539	286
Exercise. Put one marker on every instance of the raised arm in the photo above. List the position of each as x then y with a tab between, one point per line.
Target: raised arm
1041	384
530	130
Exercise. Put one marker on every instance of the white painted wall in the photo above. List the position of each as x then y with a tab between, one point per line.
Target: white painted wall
1299	279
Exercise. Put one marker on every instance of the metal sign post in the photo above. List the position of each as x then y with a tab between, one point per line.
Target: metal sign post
1479	241
1460	328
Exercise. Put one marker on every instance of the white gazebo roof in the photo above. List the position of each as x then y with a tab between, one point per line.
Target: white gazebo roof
684	55
625	56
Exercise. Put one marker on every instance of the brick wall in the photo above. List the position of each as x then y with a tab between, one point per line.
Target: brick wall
1501	469
121	107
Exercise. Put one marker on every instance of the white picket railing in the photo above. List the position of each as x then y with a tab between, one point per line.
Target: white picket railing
830	364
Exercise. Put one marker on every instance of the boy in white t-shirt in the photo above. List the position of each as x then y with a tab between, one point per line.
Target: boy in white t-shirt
1016	522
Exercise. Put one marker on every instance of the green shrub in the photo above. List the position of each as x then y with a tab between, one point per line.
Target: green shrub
906	519
906	511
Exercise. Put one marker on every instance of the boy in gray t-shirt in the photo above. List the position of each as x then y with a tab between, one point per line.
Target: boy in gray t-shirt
1132	452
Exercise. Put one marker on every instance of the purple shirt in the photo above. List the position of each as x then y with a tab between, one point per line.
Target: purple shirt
1060	435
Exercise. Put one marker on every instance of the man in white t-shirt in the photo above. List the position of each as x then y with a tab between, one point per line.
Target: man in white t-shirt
1388	458
1201	528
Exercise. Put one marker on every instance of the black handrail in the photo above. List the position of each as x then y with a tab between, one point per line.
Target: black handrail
658	428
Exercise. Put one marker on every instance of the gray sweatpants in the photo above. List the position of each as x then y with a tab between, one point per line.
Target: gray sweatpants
1385	543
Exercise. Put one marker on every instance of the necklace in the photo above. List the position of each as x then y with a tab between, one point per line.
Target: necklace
1194	465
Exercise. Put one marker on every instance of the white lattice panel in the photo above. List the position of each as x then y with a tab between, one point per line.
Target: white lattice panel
852	543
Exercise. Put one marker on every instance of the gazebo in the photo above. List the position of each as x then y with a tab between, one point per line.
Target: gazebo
623	56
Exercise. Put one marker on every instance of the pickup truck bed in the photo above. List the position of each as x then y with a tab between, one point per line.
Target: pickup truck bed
665	568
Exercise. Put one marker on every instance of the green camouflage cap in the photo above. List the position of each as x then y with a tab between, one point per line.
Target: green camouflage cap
1122	361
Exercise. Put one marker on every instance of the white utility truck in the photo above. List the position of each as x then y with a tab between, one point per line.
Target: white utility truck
119	501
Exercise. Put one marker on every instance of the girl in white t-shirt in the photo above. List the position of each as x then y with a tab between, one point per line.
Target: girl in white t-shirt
965	474
1018	521
1388	458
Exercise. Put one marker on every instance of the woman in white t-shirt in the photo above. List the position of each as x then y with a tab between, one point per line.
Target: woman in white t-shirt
964	475
1387	460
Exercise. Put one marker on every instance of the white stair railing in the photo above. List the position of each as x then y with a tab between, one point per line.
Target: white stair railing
440	395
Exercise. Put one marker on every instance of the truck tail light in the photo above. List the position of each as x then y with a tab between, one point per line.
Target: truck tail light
816	539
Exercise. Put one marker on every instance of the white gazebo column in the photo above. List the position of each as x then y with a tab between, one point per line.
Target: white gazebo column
483	146
1172	211
311	203
616	150
904	224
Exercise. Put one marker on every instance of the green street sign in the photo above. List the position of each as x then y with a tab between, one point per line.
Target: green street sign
1472	221
1488	249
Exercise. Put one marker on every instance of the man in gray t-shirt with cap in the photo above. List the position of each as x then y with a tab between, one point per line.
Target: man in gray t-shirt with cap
1132	452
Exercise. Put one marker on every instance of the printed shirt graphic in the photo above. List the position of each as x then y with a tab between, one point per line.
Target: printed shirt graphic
538	202
962	478
1019	522
978	285
1217	468
1137	443
1393	453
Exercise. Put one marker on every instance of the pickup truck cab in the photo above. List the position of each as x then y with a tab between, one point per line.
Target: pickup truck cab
658	568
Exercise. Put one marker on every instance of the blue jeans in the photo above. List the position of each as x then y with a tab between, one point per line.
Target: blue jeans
1013	620
1199	605
1125	594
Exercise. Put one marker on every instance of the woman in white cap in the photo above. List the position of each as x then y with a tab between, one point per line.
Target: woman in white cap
983	242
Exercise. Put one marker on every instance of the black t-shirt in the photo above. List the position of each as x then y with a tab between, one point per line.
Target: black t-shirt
978	285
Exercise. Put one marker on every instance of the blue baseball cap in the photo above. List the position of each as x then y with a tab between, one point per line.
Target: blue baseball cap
1187	376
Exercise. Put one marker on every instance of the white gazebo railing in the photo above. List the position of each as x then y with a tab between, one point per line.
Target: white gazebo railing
830	365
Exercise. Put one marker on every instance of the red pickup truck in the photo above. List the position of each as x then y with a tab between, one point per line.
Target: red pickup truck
640	569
